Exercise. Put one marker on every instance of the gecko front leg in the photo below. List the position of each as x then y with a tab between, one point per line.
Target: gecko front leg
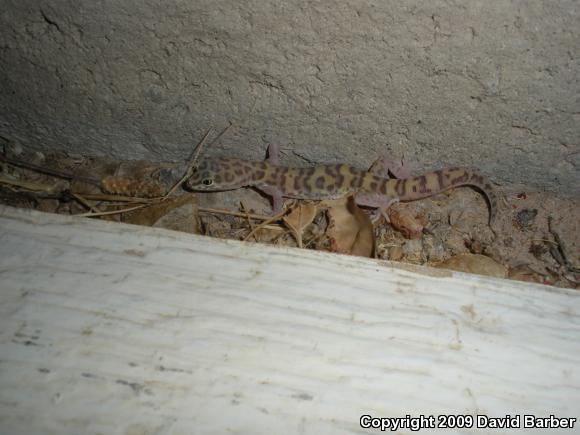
275	194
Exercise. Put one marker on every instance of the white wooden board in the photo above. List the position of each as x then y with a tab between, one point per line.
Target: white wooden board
117	329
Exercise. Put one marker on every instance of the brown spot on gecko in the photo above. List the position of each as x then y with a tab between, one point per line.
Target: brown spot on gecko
258	175
414	189
383	187
373	186
228	177
297	183
440	182
477	178
271	178
400	188
461	179
238	172
338	181
217	178
422	184
320	182
353	183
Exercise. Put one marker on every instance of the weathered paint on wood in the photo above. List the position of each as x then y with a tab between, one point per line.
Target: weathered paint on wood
111	328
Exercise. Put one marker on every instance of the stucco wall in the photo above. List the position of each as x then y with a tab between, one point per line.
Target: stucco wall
493	84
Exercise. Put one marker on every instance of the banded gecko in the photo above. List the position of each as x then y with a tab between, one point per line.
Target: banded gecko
332	182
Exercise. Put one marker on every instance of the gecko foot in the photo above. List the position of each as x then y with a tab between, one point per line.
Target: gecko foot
386	166
274	154
378	201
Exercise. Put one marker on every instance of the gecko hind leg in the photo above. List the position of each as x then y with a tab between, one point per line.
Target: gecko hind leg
273	154
386	166
378	201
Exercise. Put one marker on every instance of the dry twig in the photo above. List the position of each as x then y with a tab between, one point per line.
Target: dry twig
191	164
266	222
294	231
28	185
233	213
194	158
120	198
558	251
108	213
84	202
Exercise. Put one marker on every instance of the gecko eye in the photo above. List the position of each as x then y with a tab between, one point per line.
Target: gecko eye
207	181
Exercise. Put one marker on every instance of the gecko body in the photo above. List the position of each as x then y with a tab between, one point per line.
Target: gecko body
332	182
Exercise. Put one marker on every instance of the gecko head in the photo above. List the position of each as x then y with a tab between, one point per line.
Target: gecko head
217	174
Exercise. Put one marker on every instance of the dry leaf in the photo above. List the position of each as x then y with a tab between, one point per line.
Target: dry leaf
299	218
474	263
270	233
302	216
350	229
526	274
406	221
178	213
180	218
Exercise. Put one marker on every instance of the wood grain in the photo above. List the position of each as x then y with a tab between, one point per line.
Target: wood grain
118	329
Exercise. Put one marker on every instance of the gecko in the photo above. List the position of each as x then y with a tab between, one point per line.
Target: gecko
332	182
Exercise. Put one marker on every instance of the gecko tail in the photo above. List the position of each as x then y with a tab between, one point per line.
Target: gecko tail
442	180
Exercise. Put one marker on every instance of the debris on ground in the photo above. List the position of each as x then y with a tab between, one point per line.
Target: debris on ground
535	239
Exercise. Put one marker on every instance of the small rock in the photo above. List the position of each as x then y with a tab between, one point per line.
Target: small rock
526	274
475	246
48	205
455	243
413	250
454	217
525	217
538	249
473	263
434	249
38	158
395	253
13	149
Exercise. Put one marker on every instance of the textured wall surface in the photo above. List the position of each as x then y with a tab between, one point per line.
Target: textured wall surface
493	84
